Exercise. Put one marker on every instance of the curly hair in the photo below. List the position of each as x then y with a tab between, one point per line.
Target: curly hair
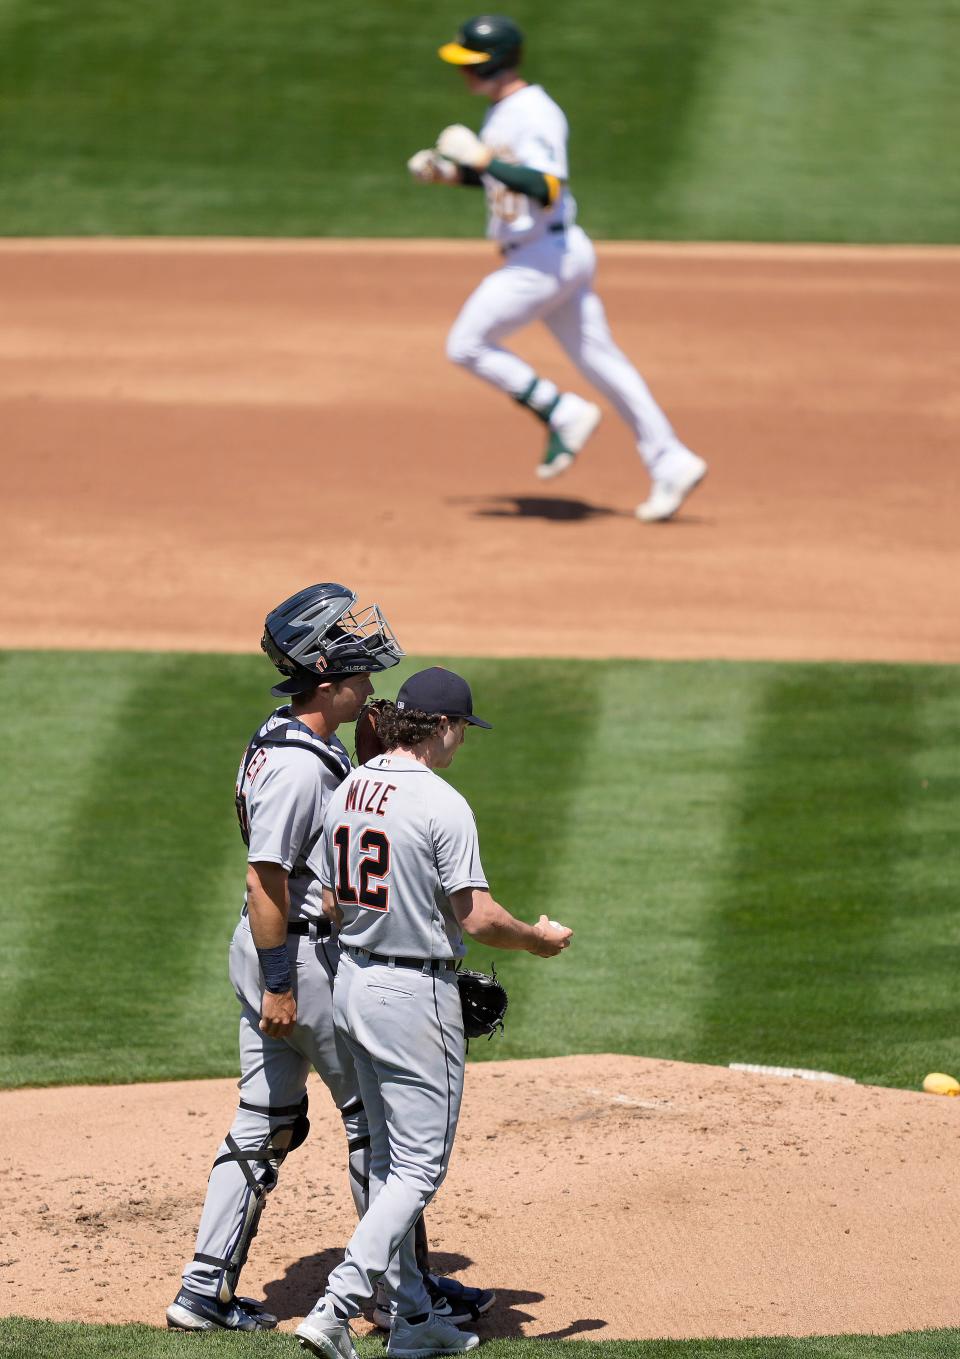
405	727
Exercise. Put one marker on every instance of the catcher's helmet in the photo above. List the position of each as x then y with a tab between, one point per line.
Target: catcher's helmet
315	636
487	44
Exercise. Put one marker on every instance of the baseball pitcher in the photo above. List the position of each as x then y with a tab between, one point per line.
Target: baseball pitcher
400	866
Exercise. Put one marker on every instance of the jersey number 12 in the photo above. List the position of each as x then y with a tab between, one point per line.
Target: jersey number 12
374	865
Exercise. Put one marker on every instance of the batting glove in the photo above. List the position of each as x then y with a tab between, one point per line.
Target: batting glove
459	144
429	168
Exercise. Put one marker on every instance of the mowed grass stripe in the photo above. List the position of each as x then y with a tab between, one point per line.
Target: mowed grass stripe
747	852
787	121
521	779
630	870
645	109
22	1338
797	968
48	753
134	891
793	90
921	943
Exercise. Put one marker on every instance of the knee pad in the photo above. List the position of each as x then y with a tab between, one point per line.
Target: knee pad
288	1136
358	1154
287	1129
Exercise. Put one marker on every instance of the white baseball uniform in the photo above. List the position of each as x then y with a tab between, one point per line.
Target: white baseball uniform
547	274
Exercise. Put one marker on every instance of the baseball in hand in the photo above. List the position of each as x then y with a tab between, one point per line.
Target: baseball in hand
562	929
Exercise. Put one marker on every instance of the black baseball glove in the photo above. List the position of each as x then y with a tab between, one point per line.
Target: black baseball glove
484	1003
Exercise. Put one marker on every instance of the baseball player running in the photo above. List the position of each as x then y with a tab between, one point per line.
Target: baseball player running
520	160
400	866
282	957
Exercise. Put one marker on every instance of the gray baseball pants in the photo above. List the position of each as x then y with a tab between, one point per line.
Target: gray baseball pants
273	1087
404	1029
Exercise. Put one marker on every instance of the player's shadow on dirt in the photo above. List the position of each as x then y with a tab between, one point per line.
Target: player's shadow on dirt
304	1281
556	508
506	1317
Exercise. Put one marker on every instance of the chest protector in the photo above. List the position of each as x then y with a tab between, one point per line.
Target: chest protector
339	765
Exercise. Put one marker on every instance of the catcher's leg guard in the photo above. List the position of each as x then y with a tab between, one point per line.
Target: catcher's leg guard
358	1153
421	1245
257	1154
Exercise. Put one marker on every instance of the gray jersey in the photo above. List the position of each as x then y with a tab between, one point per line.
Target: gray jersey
285	780
283	785
397	842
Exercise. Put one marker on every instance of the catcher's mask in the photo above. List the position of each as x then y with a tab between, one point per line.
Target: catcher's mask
488	44
317	636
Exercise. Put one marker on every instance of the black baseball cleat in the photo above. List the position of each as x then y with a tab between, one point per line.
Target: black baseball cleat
472	1301
191	1311
451	1301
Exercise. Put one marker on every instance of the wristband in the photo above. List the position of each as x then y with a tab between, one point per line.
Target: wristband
275	966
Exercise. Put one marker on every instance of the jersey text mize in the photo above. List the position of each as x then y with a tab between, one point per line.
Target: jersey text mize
359	800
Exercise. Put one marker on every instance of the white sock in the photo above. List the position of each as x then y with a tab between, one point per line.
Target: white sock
566	407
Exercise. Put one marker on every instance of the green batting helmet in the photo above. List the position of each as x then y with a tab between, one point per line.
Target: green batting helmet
487	44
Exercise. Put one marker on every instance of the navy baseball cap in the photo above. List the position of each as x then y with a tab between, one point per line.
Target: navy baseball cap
440	691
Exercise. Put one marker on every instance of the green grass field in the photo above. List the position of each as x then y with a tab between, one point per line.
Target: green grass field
757	859
23	1339
818	120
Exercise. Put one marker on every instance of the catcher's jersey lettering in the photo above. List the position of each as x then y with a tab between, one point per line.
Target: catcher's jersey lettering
283	783
394	861
256	764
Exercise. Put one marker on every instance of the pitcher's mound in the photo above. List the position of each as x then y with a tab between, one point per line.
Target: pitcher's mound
602	1197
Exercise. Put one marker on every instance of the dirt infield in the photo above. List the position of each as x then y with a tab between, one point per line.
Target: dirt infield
192	430
603	1197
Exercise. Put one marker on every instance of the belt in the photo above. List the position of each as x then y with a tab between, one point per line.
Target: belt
555	229
420	964
321	928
